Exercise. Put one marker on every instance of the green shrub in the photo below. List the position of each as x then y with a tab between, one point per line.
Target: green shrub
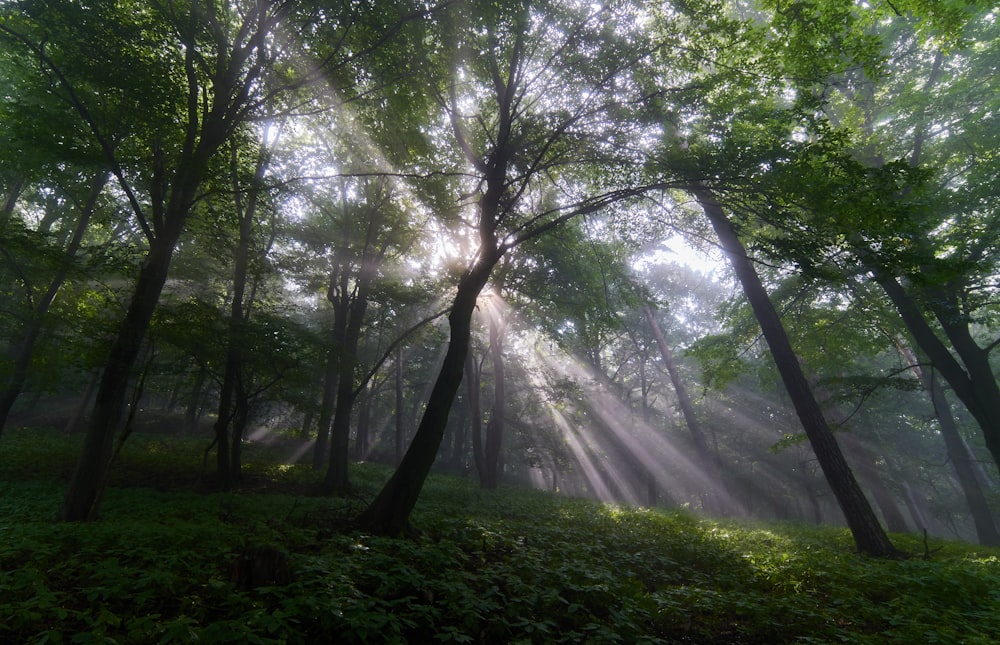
512	566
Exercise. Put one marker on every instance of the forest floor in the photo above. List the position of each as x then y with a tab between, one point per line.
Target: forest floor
170	562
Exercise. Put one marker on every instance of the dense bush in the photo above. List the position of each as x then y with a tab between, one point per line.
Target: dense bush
510	566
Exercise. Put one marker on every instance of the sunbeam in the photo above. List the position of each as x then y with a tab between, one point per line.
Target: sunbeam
617	428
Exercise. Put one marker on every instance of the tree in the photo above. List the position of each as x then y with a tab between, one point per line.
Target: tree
528	104
213	68
869	536
234	413
898	179
40	168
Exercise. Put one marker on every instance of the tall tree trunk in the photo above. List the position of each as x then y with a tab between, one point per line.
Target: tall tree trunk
472	385
389	513
82	497
361	442
864	461
25	346
869	536
495	426
336	480
330	375
400	414
212	116
232	385
718	497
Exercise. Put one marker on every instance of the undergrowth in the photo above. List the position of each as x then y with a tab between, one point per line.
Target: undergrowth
511	566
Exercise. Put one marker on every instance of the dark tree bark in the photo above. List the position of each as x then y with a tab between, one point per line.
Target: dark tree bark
82	497
330	374
336	479
869	536
864	462
239	313
389	513
349	297
212	115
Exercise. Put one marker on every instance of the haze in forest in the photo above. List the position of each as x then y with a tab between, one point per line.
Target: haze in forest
736	257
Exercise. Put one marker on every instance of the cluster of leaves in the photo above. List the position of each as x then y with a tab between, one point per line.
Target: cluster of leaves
512	566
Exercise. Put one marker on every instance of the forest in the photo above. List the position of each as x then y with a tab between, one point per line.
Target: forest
300	293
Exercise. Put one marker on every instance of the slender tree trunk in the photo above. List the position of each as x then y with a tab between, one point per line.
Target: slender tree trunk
336	480
869	536
400	415
25	346
389	513
495	427
364	424
232	385
717	498
330	374
472	384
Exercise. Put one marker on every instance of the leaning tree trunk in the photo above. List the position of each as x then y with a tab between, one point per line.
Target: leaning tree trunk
869	536
82	497
864	461
389	513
